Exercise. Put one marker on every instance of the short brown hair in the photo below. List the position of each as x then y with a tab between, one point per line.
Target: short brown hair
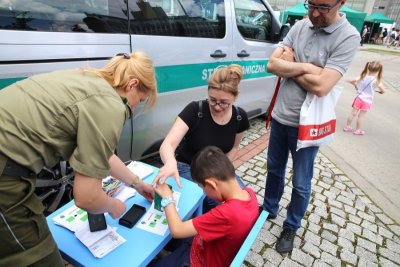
226	79
211	162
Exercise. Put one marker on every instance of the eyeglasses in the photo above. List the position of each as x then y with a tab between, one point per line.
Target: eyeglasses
214	102
125	55
323	9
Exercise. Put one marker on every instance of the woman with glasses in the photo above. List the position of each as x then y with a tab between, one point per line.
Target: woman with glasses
75	115
214	121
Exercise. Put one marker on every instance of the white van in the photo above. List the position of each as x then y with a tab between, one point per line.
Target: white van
187	39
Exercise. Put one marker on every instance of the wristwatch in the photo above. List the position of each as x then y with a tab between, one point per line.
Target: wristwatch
165	201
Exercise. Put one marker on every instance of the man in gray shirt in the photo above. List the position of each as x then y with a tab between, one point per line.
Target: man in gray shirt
312	58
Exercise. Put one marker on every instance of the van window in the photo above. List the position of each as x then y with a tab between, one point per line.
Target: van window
105	16
253	19
189	18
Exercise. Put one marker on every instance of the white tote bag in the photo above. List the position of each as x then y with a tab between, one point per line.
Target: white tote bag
318	119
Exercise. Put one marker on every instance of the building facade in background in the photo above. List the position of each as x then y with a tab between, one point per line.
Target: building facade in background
390	8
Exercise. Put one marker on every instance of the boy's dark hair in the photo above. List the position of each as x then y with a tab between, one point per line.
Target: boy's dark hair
211	162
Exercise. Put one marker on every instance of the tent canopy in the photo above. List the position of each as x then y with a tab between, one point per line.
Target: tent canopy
378	17
298	11
356	18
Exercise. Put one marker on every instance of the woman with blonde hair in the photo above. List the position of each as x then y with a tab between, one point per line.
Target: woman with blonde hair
75	115
214	121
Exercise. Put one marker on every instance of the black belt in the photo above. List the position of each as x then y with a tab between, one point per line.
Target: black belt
14	169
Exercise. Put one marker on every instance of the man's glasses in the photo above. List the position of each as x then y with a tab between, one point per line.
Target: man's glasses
214	102
125	55
321	9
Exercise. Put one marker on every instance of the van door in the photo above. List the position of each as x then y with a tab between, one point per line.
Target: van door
255	29
187	40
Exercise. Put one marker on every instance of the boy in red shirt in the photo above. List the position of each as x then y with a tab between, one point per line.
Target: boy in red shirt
219	233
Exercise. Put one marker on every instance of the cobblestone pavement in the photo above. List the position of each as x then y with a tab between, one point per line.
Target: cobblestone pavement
342	226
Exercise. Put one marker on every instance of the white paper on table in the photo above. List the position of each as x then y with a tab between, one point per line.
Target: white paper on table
100	243
72	218
155	221
140	169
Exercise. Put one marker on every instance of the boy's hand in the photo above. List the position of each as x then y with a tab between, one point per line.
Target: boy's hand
163	190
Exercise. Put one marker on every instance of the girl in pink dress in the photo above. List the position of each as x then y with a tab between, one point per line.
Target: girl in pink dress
366	85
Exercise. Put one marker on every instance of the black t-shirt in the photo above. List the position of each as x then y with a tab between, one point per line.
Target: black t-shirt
207	132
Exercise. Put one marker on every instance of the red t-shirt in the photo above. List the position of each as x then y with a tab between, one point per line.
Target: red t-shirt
222	231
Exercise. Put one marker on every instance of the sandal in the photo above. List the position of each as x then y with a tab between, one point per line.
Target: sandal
347	129
359	132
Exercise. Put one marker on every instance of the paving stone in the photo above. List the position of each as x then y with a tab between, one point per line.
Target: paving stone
366	244
395	229
320	197
330	226
346	233
364	262
386	263
359	204
312	238
324	185
339	212
354	228
267	237
249	179
345	200
272	256
314	218
393	246
384	218
389	254
334	203
301	257
329	194
288	263
328	236
357	191
257	246
385	232
372	237
331	260
319	263
312	250
363	253
354	219
338	220
313	227
349	194
350	209
365	199
348	257
365	216
370	226
328	247
345	244
254	259
322	212
372	207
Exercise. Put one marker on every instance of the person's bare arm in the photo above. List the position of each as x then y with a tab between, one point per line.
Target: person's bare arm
89	196
381	89
177	227
282	63
319	84
233	152
167	151
119	171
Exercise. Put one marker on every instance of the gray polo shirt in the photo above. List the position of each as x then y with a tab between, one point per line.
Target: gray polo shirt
331	47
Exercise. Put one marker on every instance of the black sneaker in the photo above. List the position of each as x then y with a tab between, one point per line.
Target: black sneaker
270	216
285	241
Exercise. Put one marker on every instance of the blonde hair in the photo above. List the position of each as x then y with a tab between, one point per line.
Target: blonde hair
226	79
122	68
373	67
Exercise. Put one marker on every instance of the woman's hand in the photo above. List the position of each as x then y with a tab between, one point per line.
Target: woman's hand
169	169
146	190
118	208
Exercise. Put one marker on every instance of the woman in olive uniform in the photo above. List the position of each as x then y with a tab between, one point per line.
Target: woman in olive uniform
76	115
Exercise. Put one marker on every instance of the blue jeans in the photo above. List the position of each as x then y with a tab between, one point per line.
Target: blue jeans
208	203
282	140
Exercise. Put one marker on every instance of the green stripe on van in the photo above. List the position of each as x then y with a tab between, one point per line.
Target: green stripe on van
179	77
6	82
